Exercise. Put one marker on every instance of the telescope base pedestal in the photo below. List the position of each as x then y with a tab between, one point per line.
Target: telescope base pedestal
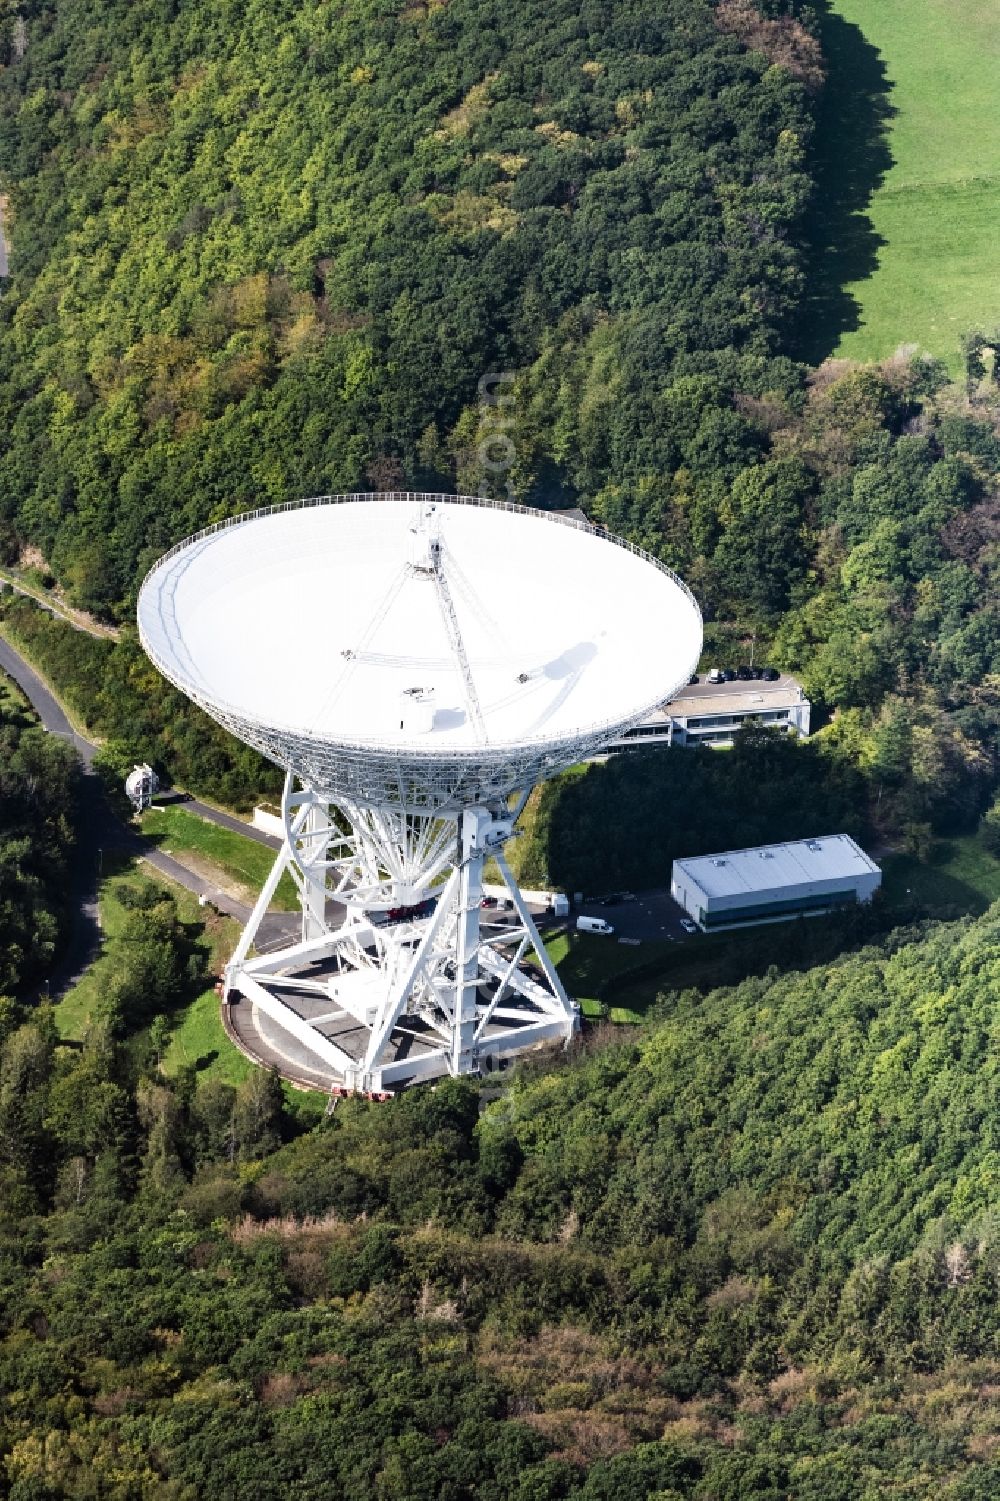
376	996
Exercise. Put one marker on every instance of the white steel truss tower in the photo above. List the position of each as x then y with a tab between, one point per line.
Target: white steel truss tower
400	974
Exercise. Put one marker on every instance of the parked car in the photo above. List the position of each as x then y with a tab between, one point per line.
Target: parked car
688	925
716	675
694	678
489	901
744	673
771	674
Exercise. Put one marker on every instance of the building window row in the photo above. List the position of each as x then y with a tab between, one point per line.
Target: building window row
713	721
648	731
823	901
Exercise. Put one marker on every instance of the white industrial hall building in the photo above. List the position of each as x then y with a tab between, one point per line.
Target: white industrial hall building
774	881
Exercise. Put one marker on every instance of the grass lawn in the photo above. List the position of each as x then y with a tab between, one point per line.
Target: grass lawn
197	1034
595	970
242	862
199	1038
622	982
962	877
219	934
922	265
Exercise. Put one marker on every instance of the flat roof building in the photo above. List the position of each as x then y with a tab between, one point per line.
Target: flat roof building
774	881
707	713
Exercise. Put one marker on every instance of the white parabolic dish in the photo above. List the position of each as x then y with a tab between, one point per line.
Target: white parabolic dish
311	633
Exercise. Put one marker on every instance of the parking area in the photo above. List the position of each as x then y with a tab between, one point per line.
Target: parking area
501	916
643	915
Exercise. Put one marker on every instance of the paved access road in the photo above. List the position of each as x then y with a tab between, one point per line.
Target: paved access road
100	830
44	702
53	717
78	619
651	915
645	916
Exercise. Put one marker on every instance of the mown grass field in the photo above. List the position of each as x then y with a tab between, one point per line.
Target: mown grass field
242	861
936	212
199	1038
590	966
962	877
620	983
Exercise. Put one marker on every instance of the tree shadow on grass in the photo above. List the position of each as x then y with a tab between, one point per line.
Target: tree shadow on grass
98	854
915	890
849	161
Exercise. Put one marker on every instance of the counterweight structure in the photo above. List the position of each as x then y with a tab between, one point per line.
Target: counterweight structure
416	663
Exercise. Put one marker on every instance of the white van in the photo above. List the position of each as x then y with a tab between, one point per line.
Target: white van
560	904
715	676
593	925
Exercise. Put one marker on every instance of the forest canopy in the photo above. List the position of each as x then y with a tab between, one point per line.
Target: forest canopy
260	252
751	1252
38	784
263	250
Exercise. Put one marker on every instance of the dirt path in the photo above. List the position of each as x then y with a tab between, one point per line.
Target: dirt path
78	619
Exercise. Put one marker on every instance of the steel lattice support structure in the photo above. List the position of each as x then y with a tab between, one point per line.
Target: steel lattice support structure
394	978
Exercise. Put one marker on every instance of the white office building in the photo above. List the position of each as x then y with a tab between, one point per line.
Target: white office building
710	713
774	881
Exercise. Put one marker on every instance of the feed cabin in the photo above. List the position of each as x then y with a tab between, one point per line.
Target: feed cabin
774	881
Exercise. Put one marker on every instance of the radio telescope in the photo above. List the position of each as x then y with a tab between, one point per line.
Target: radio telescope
415	663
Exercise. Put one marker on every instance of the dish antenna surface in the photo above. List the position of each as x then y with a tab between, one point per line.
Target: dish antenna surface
415	663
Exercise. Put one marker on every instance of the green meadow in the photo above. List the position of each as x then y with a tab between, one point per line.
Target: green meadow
910	175
238	860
